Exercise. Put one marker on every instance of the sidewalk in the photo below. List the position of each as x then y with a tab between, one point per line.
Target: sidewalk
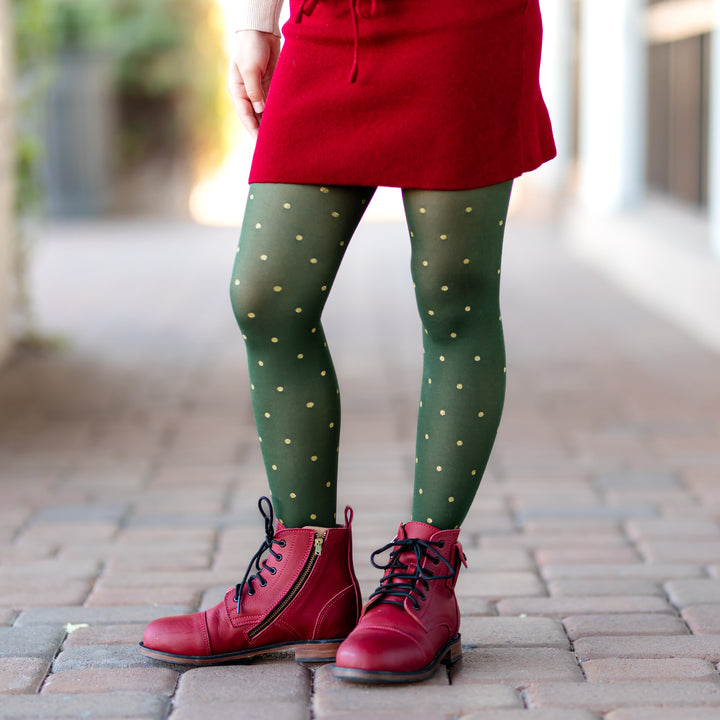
130	472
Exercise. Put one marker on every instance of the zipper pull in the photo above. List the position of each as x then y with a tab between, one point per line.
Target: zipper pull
319	540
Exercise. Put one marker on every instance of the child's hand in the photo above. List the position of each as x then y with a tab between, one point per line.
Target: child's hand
252	62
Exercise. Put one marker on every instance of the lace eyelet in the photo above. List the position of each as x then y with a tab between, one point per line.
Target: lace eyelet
278	557
281	543
435	561
441	544
272	570
251	591
263	582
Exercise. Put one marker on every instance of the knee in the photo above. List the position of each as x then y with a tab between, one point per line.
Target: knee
449	301
251	302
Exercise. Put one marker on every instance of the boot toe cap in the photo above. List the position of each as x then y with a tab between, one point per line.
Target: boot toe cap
381	649
184	635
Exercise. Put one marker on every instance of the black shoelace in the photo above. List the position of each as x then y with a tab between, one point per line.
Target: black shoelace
403	582
267	544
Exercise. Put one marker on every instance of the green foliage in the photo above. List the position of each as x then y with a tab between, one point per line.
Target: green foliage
167	62
168	69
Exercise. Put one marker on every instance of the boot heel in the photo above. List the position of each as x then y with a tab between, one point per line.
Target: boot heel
454	652
322	651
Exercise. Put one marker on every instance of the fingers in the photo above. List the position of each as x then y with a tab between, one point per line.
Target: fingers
242	103
252	64
254	89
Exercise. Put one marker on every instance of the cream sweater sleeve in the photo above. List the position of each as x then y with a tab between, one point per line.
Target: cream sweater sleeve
258	15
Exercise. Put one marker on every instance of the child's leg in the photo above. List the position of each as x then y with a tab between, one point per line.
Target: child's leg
456	253
291	244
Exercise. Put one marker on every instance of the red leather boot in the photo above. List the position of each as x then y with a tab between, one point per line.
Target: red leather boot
304	595
410	623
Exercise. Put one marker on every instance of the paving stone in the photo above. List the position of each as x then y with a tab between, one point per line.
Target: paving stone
583	556
516	666
473	606
513	632
70	592
125	705
634	624
127	634
650	480
107	596
57	534
664	713
103	656
561	606
620	512
115	552
184	520
691	551
378	715
501	584
533	541
154	680
693	592
260	681
41	641
648	571
7	616
198	538
160	561
575	530
333	696
536	714
22	675
196	579
664	528
662	500
249	710
706	647
604	586
43	571
97	615
80	513
605	697
494	522
626	669
499	560
703	619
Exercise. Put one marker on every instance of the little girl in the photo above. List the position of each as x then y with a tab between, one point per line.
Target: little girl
441	99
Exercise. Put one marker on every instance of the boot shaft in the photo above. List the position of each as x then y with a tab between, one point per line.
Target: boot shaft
307	586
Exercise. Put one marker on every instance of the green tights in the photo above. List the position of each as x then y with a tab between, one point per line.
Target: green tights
291	245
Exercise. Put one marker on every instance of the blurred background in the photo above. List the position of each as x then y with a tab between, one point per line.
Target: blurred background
117	109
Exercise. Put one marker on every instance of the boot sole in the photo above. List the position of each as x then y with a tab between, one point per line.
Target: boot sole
309	652
449	654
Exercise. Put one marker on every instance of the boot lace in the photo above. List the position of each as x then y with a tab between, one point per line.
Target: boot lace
408	580
266	510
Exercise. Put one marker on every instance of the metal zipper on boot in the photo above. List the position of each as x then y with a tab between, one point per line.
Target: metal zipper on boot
294	590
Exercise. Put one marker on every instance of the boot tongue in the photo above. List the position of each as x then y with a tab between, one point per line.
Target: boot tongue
418	530
413	530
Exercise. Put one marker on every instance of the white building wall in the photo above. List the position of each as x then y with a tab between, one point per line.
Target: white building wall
556	81
612	105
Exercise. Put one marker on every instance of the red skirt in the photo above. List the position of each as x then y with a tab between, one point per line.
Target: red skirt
406	93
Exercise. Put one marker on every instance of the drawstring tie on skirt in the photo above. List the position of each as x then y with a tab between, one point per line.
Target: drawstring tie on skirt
306	8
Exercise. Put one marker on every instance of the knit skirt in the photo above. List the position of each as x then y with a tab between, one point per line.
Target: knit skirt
428	94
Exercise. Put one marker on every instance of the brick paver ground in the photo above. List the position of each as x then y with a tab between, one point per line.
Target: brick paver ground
129	476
